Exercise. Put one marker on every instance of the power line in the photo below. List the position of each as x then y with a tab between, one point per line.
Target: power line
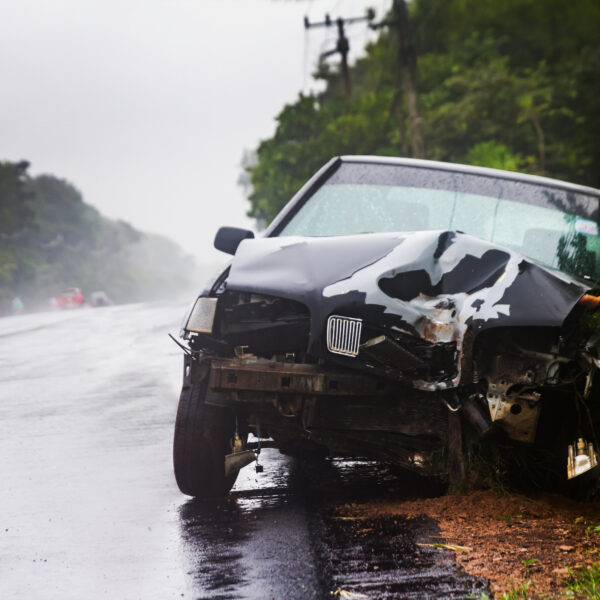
343	45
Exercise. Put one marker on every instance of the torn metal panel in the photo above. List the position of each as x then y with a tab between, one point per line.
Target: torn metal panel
518	412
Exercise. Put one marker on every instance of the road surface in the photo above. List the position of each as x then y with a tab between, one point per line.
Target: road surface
89	507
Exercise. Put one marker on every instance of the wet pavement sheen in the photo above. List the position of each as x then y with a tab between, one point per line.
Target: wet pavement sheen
89	507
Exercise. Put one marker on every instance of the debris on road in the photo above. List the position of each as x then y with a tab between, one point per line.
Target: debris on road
345	595
452	547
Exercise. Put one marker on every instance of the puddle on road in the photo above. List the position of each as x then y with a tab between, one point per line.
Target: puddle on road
278	535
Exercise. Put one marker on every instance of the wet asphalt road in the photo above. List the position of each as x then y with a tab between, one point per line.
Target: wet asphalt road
89	507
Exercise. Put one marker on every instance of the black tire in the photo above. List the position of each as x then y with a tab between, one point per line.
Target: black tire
203	435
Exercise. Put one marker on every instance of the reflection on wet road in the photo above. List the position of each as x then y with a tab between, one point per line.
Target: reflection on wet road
256	543
89	507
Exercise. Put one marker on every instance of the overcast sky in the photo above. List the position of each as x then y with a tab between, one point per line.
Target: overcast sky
147	105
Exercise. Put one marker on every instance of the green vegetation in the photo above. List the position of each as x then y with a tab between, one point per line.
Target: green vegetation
584	582
51	239
519	593
511	84
527	564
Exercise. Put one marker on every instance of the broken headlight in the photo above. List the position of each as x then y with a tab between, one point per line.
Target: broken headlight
202	316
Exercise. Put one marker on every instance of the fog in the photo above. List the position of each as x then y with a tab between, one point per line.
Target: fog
146	106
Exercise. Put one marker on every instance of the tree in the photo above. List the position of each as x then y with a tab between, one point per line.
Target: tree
509	84
51	239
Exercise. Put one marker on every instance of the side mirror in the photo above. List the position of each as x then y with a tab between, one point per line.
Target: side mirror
228	238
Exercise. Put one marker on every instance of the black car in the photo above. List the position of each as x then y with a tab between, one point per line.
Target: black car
392	308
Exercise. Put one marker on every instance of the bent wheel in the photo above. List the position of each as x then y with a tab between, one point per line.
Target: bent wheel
202	438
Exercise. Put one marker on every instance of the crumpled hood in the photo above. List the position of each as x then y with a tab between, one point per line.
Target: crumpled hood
433	284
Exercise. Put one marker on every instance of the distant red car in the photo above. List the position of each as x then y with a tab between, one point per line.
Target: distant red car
71	298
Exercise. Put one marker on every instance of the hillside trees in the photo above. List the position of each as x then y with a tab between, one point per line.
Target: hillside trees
51	239
513	85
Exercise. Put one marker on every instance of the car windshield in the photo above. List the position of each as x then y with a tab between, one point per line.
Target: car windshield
554	226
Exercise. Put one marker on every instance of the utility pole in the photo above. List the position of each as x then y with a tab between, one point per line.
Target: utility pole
343	45
407	61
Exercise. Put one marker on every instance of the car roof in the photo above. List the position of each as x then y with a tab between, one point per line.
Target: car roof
459	168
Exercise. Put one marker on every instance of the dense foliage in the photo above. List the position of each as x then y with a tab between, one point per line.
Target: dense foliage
51	239
512	84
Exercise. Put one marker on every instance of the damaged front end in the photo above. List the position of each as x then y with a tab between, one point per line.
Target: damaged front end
396	346
374	369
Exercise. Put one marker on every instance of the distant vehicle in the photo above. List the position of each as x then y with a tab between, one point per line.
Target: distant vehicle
392	305
71	298
99	299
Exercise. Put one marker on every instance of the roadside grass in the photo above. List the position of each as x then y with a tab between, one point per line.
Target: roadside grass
583	583
519	593
488	467
506	469
527	564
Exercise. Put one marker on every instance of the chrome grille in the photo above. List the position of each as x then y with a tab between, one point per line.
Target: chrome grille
343	335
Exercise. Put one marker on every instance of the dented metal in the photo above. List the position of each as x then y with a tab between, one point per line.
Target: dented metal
431	284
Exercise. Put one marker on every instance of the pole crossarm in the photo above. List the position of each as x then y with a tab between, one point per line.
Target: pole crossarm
342	45
328	22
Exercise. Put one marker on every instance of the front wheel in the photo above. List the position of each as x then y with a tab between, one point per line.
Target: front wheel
203	435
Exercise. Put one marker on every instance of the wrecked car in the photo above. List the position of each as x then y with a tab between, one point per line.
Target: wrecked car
392	308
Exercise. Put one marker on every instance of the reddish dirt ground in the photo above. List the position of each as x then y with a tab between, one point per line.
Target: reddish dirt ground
511	539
